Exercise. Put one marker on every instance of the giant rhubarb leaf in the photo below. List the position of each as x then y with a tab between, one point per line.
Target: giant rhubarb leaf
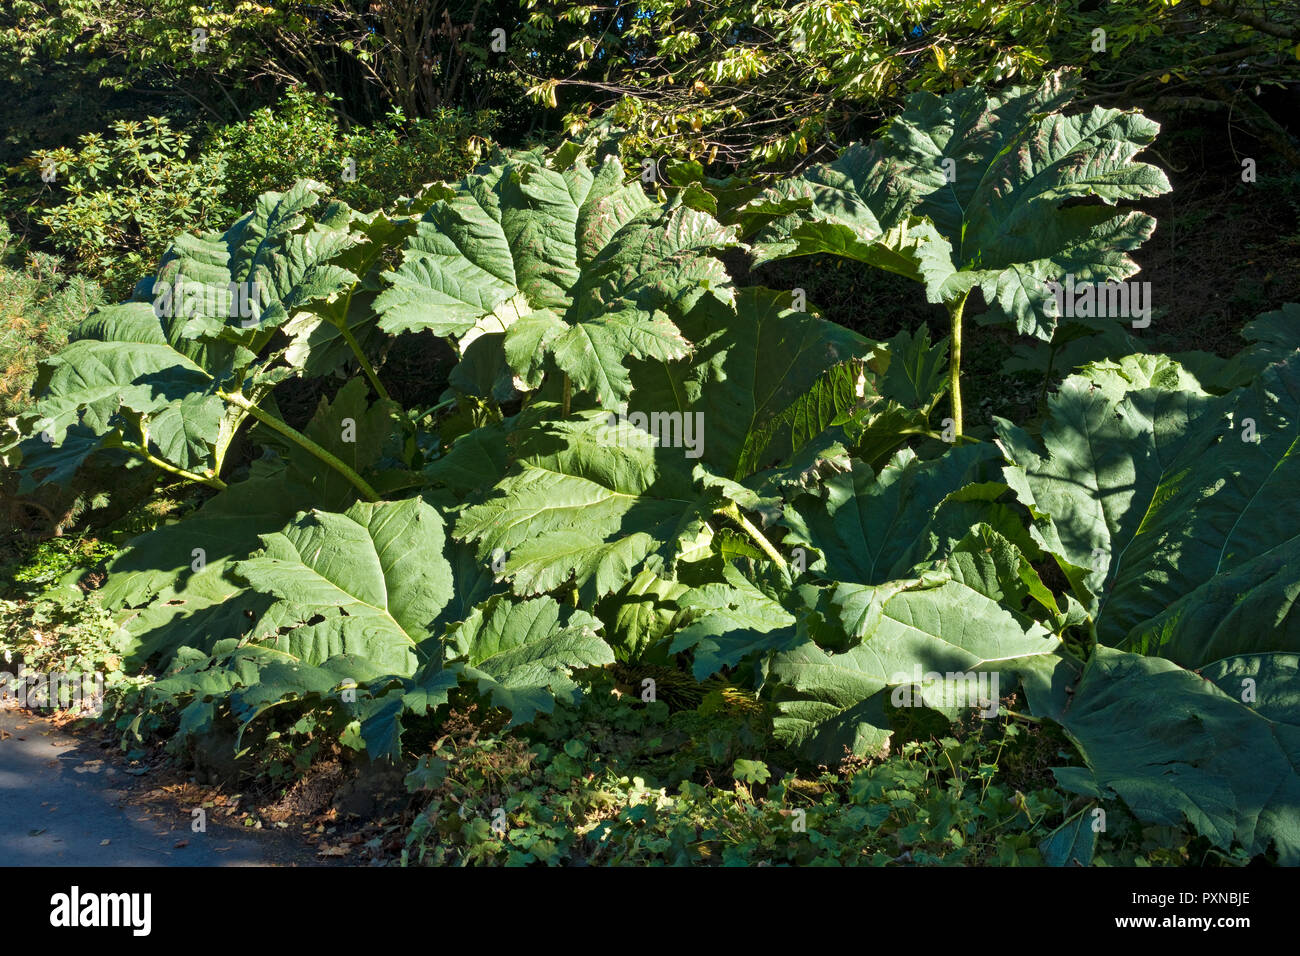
969	190
587	500
521	653
369	582
172	585
572	265
763	381
1219	750
731	621
869	528
953	620
124	355
1175	514
148	376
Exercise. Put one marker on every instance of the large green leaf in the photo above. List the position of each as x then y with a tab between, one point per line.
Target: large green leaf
198	680
1274	336
731	621
281	680
84	381
640	615
947	621
147	375
519	655
848	208
996	182
522	653
764	381
869	528
572	264
294	264
915	372
122	354
243	284
1174	523
834	655
508	241
174	583
369	582
396	698
1175	747
590	501
1132	373
39	462
335	298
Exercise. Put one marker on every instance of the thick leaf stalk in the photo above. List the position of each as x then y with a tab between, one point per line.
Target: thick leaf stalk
302	441
212	481
734	513
955	310
366	367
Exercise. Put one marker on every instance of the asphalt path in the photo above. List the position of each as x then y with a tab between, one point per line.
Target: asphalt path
65	802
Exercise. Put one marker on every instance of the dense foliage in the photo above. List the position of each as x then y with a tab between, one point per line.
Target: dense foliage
40	303
765	82
113	204
640	463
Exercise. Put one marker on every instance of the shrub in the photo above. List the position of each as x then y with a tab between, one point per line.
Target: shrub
368	167
115	202
756	82
40	303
